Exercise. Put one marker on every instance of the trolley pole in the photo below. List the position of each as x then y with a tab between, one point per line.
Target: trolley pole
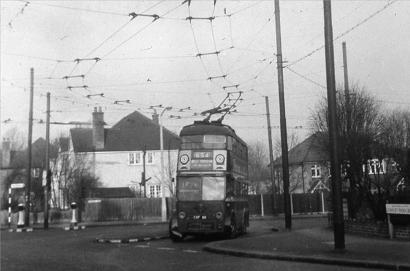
30	135
48	175
271	155
283	133
333	133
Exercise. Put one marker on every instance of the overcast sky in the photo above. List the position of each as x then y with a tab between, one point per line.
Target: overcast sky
152	62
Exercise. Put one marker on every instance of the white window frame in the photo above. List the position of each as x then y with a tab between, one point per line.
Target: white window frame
149	158
158	191
373	163
155	191
152	191
316	171
134	158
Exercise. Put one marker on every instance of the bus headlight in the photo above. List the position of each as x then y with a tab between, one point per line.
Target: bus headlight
181	215
184	159
220	159
218	215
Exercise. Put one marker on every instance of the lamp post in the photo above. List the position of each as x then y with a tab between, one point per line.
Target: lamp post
163	203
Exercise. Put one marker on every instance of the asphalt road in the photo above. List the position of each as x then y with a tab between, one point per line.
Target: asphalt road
56	249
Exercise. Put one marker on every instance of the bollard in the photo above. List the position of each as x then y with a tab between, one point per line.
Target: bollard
74	214
20	223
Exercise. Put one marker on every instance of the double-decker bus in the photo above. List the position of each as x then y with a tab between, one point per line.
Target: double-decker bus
211	182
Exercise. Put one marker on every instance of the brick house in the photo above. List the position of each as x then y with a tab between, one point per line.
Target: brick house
115	155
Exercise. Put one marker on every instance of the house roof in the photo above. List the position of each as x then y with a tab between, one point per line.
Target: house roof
310	150
111	192
133	132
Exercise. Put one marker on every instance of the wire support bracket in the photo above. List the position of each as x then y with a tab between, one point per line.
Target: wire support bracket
206	54
190	18
134	15
216	77
73	76
231	86
93	95
122	101
78	60
73	87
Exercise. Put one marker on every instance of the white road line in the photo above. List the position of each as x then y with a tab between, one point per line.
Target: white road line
165	248
142	246
190	251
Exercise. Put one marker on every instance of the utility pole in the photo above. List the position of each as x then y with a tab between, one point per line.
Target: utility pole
161	143
346	84
283	133
48	175
143	177
338	224
30	135
270	155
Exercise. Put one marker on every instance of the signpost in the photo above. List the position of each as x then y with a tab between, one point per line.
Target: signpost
396	209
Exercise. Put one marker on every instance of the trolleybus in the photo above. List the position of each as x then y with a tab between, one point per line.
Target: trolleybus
211	182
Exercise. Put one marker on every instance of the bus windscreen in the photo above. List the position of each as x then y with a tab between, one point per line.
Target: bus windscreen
201	188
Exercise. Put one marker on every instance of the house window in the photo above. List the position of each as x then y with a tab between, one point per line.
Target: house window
155	191
315	171
134	158
150	158
375	166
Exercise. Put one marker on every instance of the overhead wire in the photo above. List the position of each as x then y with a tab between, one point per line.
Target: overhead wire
372	15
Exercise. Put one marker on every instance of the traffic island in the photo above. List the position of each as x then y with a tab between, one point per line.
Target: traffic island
129	240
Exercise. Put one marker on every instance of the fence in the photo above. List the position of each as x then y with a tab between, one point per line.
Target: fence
300	203
124	209
138	209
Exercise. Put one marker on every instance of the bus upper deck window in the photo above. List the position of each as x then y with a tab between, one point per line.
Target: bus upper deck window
214	139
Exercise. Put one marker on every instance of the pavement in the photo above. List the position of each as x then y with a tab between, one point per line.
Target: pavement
315	245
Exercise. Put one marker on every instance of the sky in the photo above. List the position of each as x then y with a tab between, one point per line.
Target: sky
159	57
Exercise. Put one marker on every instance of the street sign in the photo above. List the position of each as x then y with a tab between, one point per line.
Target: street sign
94	201
17	185
400	209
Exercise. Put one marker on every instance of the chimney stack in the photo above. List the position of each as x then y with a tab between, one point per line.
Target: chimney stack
98	129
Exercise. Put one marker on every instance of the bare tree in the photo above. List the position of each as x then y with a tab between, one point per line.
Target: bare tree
74	179
258	160
359	124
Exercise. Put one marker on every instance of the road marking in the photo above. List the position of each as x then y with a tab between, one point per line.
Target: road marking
190	251
142	246
165	248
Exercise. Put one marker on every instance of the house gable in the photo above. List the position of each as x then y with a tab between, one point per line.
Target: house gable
309	150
